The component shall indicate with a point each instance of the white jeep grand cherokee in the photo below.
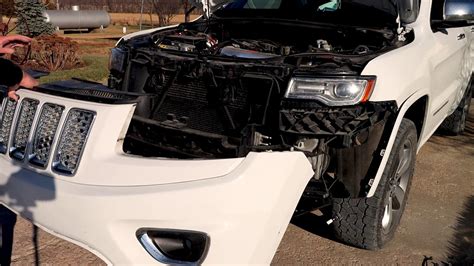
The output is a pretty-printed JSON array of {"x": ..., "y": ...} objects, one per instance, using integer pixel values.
[{"x": 213, "y": 133}]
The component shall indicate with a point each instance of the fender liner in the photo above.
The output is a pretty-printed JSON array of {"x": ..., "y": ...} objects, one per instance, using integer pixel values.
[{"x": 401, "y": 114}]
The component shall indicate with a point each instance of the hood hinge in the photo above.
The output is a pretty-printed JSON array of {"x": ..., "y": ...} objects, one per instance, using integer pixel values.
[
  {"x": 402, "y": 30},
  {"x": 207, "y": 9}
]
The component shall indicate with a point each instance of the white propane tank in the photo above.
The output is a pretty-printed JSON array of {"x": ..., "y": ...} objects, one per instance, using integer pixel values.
[{"x": 77, "y": 20}]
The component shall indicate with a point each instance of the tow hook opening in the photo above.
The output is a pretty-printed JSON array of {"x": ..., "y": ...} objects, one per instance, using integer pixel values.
[{"x": 174, "y": 247}]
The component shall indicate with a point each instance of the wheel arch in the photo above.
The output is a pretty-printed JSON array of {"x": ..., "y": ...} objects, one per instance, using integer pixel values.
[{"x": 417, "y": 113}]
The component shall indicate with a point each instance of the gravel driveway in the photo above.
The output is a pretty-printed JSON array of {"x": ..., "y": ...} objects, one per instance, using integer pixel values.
[{"x": 442, "y": 194}]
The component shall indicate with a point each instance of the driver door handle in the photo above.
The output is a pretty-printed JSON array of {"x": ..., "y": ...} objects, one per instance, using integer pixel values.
[{"x": 461, "y": 36}]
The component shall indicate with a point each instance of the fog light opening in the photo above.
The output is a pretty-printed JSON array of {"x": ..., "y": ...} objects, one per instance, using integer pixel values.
[{"x": 174, "y": 246}]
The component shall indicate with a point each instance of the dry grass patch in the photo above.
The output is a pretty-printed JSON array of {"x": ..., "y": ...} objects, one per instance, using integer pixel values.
[{"x": 131, "y": 19}]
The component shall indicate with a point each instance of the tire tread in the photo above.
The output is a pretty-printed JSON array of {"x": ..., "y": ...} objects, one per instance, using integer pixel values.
[
  {"x": 452, "y": 124},
  {"x": 358, "y": 220}
]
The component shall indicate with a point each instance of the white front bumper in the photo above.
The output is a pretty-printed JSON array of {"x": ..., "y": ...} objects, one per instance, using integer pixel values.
[{"x": 243, "y": 205}]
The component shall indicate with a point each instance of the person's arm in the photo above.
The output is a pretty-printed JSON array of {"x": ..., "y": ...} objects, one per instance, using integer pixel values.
[
  {"x": 13, "y": 77},
  {"x": 10, "y": 73}
]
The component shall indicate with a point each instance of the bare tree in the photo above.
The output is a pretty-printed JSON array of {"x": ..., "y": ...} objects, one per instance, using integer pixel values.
[
  {"x": 50, "y": 4},
  {"x": 186, "y": 5},
  {"x": 166, "y": 10},
  {"x": 7, "y": 8}
]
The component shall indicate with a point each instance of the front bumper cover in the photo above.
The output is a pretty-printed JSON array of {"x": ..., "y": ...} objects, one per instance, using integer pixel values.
[{"x": 243, "y": 205}]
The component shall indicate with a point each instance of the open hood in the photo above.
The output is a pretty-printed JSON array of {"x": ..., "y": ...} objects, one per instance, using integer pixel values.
[
  {"x": 208, "y": 6},
  {"x": 406, "y": 10}
]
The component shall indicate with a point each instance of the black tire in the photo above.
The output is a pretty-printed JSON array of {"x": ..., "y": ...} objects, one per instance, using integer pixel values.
[
  {"x": 364, "y": 222},
  {"x": 455, "y": 124}
]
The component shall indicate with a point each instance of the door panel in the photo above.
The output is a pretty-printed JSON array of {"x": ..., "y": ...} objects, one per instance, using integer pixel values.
[{"x": 449, "y": 63}]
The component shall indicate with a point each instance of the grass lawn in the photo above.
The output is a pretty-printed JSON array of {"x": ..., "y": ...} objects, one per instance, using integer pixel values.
[
  {"x": 96, "y": 69},
  {"x": 95, "y": 49}
]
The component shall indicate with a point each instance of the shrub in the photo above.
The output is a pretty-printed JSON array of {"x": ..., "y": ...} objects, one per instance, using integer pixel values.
[{"x": 53, "y": 53}]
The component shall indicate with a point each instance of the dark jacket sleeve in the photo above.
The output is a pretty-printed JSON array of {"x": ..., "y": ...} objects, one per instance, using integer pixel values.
[{"x": 10, "y": 73}]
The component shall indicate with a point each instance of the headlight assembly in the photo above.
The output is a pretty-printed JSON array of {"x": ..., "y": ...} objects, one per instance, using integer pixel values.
[
  {"x": 117, "y": 59},
  {"x": 332, "y": 91}
]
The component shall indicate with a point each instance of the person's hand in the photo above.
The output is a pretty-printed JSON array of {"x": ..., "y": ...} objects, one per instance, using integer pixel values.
[
  {"x": 9, "y": 43},
  {"x": 12, "y": 92},
  {"x": 27, "y": 82}
]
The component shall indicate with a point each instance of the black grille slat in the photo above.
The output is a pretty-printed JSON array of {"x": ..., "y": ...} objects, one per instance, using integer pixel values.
[
  {"x": 89, "y": 91},
  {"x": 23, "y": 127},
  {"x": 46, "y": 129}
]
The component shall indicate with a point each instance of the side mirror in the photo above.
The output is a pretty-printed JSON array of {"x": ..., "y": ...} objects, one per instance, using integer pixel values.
[
  {"x": 456, "y": 13},
  {"x": 459, "y": 11},
  {"x": 409, "y": 10}
]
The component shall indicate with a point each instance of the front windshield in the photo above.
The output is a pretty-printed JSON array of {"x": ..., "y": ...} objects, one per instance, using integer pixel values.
[{"x": 349, "y": 12}]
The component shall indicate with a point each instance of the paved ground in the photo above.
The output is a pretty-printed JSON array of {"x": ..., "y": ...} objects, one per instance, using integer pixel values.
[{"x": 442, "y": 192}]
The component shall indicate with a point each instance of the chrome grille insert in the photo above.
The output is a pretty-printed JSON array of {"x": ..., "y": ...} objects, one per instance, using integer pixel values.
[
  {"x": 21, "y": 135},
  {"x": 72, "y": 141},
  {"x": 6, "y": 121},
  {"x": 46, "y": 129}
]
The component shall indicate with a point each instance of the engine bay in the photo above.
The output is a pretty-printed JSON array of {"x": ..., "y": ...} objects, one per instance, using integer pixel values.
[
  {"x": 217, "y": 89},
  {"x": 225, "y": 80},
  {"x": 266, "y": 40}
]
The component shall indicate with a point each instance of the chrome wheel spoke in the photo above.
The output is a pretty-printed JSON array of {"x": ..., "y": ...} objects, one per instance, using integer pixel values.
[
  {"x": 398, "y": 197},
  {"x": 404, "y": 165},
  {"x": 387, "y": 215},
  {"x": 398, "y": 186}
]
